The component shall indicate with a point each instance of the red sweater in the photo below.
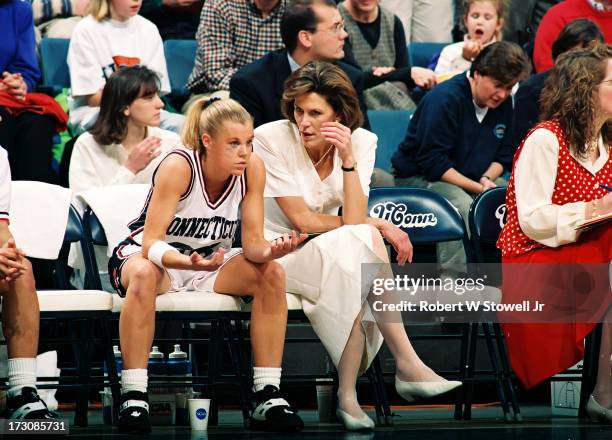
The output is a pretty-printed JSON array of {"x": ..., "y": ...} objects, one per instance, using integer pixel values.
[{"x": 555, "y": 20}]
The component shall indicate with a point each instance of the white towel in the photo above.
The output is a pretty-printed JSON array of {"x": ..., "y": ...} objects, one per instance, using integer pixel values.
[
  {"x": 112, "y": 205},
  {"x": 39, "y": 215}
]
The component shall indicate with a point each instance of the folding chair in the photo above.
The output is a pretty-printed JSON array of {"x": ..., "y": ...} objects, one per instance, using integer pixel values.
[
  {"x": 44, "y": 225},
  {"x": 55, "y": 73},
  {"x": 390, "y": 126},
  {"x": 486, "y": 219},
  {"x": 184, "y": 306},
  {"x": 394, "y": 204},
  {"x": 421, "y": 54}
]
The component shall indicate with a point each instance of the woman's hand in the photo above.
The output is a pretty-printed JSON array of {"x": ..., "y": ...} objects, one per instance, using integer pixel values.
[
  {"x": 285, "y": 244},
  {"x": 13, "y": 84},
  {"x": 399, "y": 240},
  {"x": 340, "y": 136},
  {"x": 143, "y": 154},
  {"x": 11, "y": 263},
  {"x": 487, "y": 183},
  {"x": 424, "y": 78},
  {"x": 606, "y": 204},
  {"x": 198, "y": 262},
  {"x": 380, "y": 71}
]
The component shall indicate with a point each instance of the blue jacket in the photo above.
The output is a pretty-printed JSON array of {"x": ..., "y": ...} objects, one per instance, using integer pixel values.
[
  {"x": 444, "y": 133},
  {"x": 17, "y": 43}
]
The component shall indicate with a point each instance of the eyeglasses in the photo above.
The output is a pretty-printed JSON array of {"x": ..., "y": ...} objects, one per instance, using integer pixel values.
[
  {"x": 608, "y": 81},
  {"x": 336, "y": 29}
]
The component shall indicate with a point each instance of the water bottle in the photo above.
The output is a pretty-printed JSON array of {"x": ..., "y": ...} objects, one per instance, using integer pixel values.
[
  {"x": 118, "y": 360},
  {"x": 106, "y": 394},
  {"x": 179, "y": 365},
  {"x": 156, "y": 366}
]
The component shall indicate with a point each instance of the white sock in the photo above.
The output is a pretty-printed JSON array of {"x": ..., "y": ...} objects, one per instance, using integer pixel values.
[
  {"x": 21, "y": 373},
  {"x": 263, "y": 376},
  {"x": 135, "y": 379}
]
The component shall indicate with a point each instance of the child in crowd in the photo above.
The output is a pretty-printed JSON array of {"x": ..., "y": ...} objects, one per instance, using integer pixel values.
[
  {"x": 112, "y": 36},
  {"x": 124, "y": 146},
  {"x": 484, "y": 20}
]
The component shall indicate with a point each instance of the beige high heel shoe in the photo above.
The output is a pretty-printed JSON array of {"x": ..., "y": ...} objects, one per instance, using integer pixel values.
[{"x": 598, "y": 413}]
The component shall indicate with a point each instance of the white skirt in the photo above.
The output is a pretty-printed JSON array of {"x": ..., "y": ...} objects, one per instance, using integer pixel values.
[{"x": 326, "y": 273}]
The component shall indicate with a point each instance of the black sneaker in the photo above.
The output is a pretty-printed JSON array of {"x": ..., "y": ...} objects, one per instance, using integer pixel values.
[
  {"x": 273, "y": 413},
  {"x": 28, "y": 405},
  {"x": 134, "y": 413}
]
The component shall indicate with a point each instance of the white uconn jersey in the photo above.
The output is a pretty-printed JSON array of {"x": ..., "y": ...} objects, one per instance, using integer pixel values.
[{"x": 199, "y": 224}]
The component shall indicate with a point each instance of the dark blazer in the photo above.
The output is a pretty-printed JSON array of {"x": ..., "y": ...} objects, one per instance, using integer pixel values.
[{"x": 258, "y": 86}]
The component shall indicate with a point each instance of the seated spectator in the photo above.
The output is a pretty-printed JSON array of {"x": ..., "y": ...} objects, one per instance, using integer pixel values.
[
  {"x": 459, "y": 139},
  {"x": 124, "y": 146},
  {"x": 20, "y": 314},
  {"x": 318, "y": 160},
  {"x": 312, "y": 30},
  {"x": 523, "y": 19},
  {"x": 600, "y": 11},
  {"x": 175, "y": 19},
  {"x": 579, "y": 33},
  {"x": 231, "y": 34},
  {"x": 484, "y": 20},
  {"x": 25, "y": 134},
  {"x": 377, "y": 43},
  {"x": 112, "y": 36},
  {"x": 424, "y": 20},
  {"x": 555, "y": 186},
  {"x": 55, "y": 19}
]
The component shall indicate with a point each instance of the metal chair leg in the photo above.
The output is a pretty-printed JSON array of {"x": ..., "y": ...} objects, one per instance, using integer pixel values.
[
  {"x": 590, "y": 367},
  {"x": 460, "y": 395},
  {"x": 507, "y": 372},
  {"x": 499, "y": 379},
  {"x": 234, "y": 358},
  {"x": 84, "y": 371},
  {"x": 471, "y": 366}
]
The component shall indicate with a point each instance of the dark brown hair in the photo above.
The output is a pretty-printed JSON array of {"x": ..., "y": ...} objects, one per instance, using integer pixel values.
[
  {"x": 122, "y": 88},
  {"x": 329, "y": 81},
  {"x": 503, "y": 61},
  {"x": 581, "y": 32},
  {"x": 569, "y": 96},
  {"x": 299, "y": 16}
]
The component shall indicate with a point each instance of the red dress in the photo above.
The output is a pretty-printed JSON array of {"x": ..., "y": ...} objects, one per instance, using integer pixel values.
[{"x": 538, "y": 351}]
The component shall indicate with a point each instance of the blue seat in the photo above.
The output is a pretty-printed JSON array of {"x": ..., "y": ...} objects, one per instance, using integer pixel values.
[
  {"x": 53, "y": 56},
  {"x": 390, "y": 126},
  {"x": 421, "y": 54},
  {"x": 486, "y": 219},
  {"x": 180, "y": 58}
]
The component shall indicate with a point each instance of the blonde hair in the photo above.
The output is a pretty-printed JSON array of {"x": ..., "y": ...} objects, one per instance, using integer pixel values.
[
  {"x": 207, "y": 116},
  {"x": 99, "y": 9}
]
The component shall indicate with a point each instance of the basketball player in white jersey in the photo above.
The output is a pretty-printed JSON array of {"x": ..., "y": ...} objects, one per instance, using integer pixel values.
[
  {"x": 20, "y": 315},
  {"x": 182, "y": 240}
]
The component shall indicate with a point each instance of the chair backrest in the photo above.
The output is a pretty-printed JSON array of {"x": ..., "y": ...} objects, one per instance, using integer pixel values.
[
  {"x": 486, "y": 219},
  {"x": 53, "y": 56},
  {"x": 420, "y": 54},
  {"x": 390, "y": 126},
  {"x": 180, "y": 56},
  {"x": 424, "y": 214}
]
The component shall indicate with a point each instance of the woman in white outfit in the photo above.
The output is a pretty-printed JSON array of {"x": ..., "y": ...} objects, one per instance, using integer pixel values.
[{"x": 316, "y": 161}]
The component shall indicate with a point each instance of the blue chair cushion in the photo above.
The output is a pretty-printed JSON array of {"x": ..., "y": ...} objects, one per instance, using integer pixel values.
[{"x": 390, "y": 126}]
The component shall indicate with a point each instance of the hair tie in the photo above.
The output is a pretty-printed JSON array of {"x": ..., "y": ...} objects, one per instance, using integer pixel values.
[{"x": 210, "y": 101}]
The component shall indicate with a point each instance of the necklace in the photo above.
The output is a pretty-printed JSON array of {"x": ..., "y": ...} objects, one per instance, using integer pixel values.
[{"x": 318, "y": 162}]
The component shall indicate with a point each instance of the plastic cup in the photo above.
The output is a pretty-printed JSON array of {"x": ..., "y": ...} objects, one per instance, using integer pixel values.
[
  {"x": 198, "y": 413},
  {"x": 325, "y": 399}
]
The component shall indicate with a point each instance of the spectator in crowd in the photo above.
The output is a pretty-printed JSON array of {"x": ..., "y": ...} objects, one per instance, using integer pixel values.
[
  {"x": 205, "y": 180},
  {"x": 20, "y": 314},
  {"x": 377, "y": 43},
  {"x": 124, "y": 146},
  {"x": 316, "y": 161},
  {"x": 459, "y": 139},
  {"x": 231, "y": 34},
  {"x": 312, "y": 30},
  {"x": 484, "y": 20},
  {"x": 29, "y": 149},
  {"x": 112, "y": 36},
  {"x": 424, "y": 20},
  {"x": 523, "y": 19},
  {"x": 55, "y": 19},
  {"x": 600, "y": 11},
  {"x": 555, "y": 186},
  {"x": 579, "y": 33},
  {"x": 175, "y": 19}
]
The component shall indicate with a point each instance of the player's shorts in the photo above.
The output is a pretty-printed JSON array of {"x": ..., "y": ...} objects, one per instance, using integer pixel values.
[{"x": 180, "y": 279}]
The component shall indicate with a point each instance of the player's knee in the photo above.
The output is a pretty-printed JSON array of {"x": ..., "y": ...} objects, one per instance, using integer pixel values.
[
  {"x": 272, "y": 276},
  {"x": 143, "y": 280}
]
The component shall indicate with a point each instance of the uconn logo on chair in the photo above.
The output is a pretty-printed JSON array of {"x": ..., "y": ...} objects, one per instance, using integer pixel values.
[{"x": 397, "y": 213}]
